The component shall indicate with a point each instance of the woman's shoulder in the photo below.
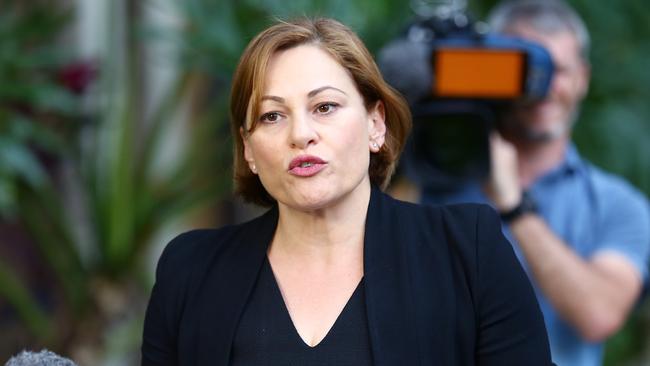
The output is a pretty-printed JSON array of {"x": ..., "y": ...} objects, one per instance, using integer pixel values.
[
  {"x": 470, "y": 232},
  {"x": 195, "y": 243},
  {"x": 465, "y": 217},
  {"x": 192, "y": 249}
]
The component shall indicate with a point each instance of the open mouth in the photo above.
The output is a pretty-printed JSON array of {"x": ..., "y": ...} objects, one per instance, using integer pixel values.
[{"x": 306, "y": 165}]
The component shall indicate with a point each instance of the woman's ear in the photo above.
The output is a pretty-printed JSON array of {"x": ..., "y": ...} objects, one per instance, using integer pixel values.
[
  {"x": 248, "y": 153},
  {"x": 377, "y": 126}
]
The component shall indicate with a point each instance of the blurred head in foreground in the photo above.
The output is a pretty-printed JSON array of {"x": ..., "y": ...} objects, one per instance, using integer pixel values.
[{"x": 43, "y": 358}]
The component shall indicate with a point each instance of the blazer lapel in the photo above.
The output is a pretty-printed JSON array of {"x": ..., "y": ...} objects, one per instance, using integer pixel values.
[
  {"x": 389, "y": 299},
  {"x": 229, "y": 285}
]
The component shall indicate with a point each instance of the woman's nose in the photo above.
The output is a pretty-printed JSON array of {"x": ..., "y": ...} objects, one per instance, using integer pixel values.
[{"x": 303, "y": 132}]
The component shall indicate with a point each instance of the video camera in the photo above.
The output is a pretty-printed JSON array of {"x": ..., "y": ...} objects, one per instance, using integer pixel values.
[{"x": 458, "y": 79}]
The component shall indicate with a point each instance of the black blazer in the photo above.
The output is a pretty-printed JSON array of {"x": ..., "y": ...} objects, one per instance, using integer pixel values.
[{"x": 443, "y": 287}]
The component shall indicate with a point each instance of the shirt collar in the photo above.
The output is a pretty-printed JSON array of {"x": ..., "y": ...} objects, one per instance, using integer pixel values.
[
  {"x": 571, "y": 163},
  {"x": 572, "y": 160}
]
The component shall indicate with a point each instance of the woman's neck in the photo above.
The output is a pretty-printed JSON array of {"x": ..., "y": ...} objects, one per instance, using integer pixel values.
[{"x": 326, "y": 234}]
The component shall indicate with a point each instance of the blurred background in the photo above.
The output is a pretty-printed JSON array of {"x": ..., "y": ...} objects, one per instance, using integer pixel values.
[{"x": 114, "y": 137}]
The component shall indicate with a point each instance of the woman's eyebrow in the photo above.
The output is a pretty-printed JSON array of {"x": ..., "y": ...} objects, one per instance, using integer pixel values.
[
  {"x": 273, "y": 98},
  {"x": 313, "y": 93}
]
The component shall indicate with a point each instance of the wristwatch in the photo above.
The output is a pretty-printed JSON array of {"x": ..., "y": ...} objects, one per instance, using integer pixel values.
[{"x": 526, "y": 205}]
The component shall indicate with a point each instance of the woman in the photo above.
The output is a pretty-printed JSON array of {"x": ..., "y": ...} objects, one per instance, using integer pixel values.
[{"x": 336, "y": 272}]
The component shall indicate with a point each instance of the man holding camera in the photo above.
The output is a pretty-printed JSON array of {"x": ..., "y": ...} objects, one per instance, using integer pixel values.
[{"x": 581, "y": 233}]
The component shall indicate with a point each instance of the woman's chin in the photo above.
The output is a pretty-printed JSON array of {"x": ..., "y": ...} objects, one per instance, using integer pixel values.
[
  {"x": 312, "y": 201},
  {"x": 313, "y": 198},
  {"x": 321, "y": 195}
]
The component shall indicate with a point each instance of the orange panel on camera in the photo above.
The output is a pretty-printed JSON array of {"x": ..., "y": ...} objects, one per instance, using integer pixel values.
[{"x": 478, "y": 73}]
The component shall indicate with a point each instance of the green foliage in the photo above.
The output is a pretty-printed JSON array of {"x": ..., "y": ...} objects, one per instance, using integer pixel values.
[
  {"x": 36, "y": 114},
  {"x": 629, "y": 342},
  {"x": 19, "y": 297},
  {"x": 17, "y": 163},
  {"x": 614, "y": 128},
  {"x": 217, "y": 31},
  {"x": 90, "y": 196},
  {"x": 28, "y": 88}
]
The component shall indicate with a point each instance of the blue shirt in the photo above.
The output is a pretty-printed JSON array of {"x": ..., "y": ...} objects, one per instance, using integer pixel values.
[{"x": 592, "y": 211}]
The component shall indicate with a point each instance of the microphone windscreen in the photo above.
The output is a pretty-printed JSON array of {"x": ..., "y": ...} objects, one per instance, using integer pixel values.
[
  {"x": 406, "y": 66},
  {"x": 43, "y": 358}
]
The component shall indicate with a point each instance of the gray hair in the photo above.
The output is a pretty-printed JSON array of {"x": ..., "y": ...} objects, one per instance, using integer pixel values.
[
  {"x": 549, "y": 16},
  {"x": 43, "y": 358}
]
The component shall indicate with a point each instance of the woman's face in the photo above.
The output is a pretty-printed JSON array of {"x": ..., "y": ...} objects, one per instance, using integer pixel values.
[{"x": 311, "y": 146}]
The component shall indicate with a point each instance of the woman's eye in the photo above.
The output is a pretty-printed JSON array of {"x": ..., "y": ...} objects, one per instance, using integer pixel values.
[
  {"x": 270, "y": 117},
  {"x": 326, "y": 108}
]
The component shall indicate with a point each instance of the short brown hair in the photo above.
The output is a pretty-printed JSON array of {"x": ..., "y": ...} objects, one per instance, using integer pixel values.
[{"x": 348, "y": 50}]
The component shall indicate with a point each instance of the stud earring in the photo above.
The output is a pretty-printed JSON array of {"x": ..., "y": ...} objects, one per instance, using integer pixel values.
[
  {"x": 375, "y": 145},
  {"x": 253, "y": 168}
]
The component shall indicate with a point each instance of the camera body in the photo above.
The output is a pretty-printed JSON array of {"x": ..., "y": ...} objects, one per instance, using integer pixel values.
[{"x": 459, "y": 79}]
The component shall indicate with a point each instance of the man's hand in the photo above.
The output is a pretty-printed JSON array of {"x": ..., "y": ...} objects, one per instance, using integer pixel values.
[{"x": 503, "y": 187}]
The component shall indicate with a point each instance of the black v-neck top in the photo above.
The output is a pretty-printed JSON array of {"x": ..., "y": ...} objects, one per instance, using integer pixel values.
[
  {"x": 442, "y": 287},
  {"x": 266, "y": 334}
]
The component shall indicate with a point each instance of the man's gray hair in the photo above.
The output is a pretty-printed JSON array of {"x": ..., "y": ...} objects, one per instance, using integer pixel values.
[
  {"x": 548, "y": 16},
  {"x": 43, "y": 358}
]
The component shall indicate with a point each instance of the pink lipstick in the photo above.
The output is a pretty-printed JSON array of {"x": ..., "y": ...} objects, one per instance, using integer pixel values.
[{"x": 306, "y": 165}]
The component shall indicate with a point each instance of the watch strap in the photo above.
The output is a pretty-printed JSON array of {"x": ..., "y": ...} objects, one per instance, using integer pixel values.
[{"x": 526, "y": 205}]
